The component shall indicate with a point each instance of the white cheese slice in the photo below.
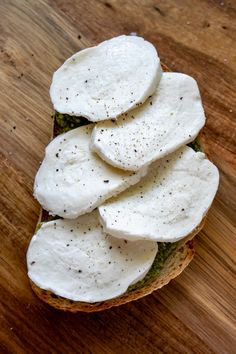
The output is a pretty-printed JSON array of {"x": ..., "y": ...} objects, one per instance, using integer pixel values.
[
  {"x": 75, "y": 259},
  {"x": 167, "y": 204},
  {"x": 72, "y": 180},
  {"x": 104, "y": 81},
  {"x": 172, "y": 117}
]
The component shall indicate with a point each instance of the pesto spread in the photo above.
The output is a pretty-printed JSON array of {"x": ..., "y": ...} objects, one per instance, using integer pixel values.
[
  {"x": 164, "y": 251},
  {"x": 195, "y": 145},
  {"x": 64, "y": 122},
  {"x": 39, "y": 224}
]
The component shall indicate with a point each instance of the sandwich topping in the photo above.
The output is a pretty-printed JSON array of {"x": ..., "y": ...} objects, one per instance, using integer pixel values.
[
  {"x": 104, "y": 81},
  {"x": 172, "y": 117},
  {"x": 75, "y": 259},
  {"x": 167, "y": 204},
  {"x": 133, "y": 164},
  {"x": 72, "y": 180}
]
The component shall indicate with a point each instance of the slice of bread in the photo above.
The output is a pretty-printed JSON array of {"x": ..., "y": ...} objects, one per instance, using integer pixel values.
[{"x": 176, "y": 262}]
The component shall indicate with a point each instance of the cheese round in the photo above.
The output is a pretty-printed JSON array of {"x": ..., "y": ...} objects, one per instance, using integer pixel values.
[
  {"x": 104, "y": 81},
  {"x": 167, "y": 204},
  {"x": 72, "y": 180},
  {"x": 172, "y": 117},
  {"x": 75, "y": 259}
]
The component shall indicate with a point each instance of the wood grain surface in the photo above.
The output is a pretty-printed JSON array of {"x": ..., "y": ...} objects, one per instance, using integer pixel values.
[{"x": 196, "y": 312}]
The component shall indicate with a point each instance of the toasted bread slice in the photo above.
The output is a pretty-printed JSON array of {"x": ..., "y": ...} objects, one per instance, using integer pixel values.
[{"x": 173, "y": 265}]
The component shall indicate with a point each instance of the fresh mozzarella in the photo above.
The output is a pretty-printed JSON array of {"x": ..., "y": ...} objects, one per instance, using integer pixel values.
[
  {"x": 167, "y": 204},
  {"x": 104, "y": 81},
  {"x": 172, "y": 117},
  {"x": 75, "y": 259},
  {"x": 72, "y": 180}
]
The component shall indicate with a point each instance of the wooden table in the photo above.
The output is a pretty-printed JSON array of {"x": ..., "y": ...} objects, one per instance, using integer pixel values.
[{"x": 196, "y": 312}]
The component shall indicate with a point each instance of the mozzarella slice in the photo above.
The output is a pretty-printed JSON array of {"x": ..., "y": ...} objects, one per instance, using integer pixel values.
[
  {"x": 104, "y": 81},
  {"x": 72, "y": 180},
  {"x": 75, "y": 259},
  {"x": 172, "y": 117},
  {"x": 167, "y": 204}
]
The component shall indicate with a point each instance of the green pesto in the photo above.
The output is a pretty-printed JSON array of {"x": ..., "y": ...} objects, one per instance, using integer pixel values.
[
  {"x": 65, "y": 122},
  {"x": 39, "y": 224},
  {"x": 195, "y": 145},
  {"x": 164, "y": 251}
]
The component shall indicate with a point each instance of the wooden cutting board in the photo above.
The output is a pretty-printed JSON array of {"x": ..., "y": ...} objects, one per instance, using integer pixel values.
[{"x": 196, "y": 312}]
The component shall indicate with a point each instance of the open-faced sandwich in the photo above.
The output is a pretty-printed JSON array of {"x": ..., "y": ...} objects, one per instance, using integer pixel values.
[{"x": 125, "y": 184}]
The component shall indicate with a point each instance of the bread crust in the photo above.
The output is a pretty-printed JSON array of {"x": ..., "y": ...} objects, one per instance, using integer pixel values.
[{"x": 174, "y": 265}]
